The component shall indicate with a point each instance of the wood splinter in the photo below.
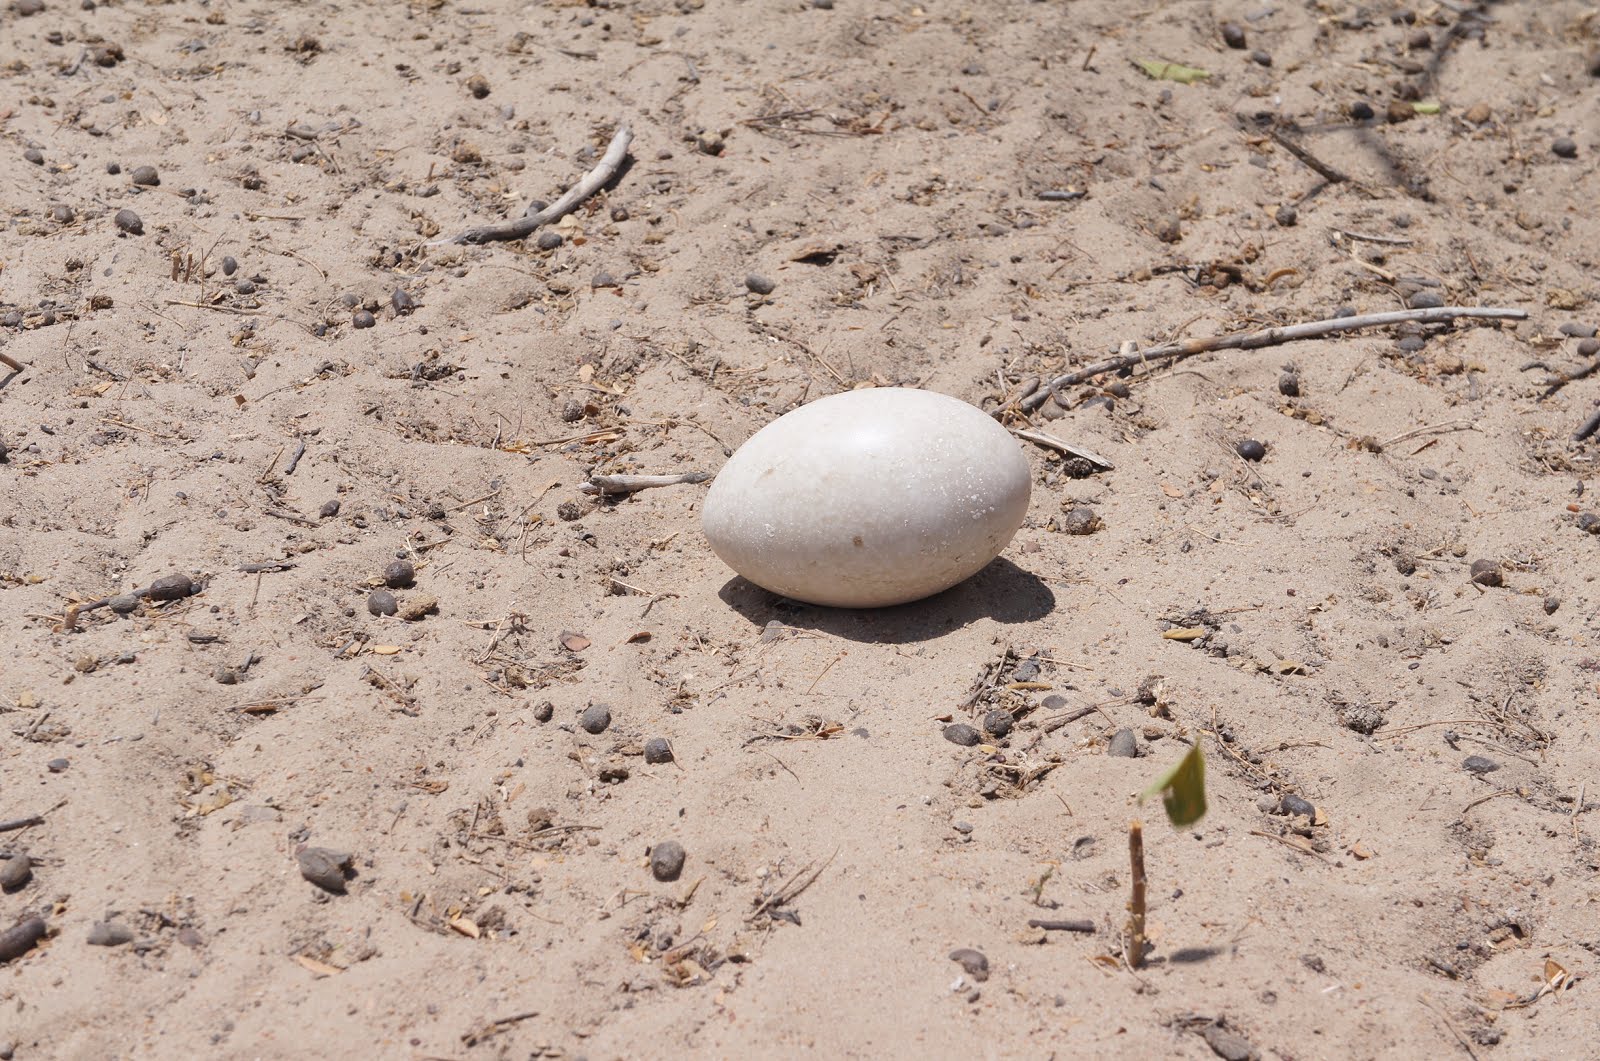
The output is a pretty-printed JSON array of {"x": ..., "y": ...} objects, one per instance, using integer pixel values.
[
  {"x": 12, "y": 363},
  {"x": 611, "y": 485}
]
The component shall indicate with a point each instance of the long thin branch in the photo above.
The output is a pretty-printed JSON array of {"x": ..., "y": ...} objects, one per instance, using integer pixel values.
[
  {"x": 523, "y": 226},
  {"x": 1268, "y": 337}
]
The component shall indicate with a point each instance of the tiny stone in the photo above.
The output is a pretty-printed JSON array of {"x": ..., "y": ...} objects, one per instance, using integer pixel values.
[
  {"x": 962, "y": 734},
  {"x": 1293, "y": 805},
  {"x": 974, "y": 962},
  {"x": 244, "y": 286},
  {"x": 28, "y": 7},
  {"x": 666, "y": 860},
  {"x": 544, "y": 711},
  {"x": 822, "y": 5},
  {"x": 109, "y": 934},
  {"x": 1229, "y": 1045},
  {"x": 15, "y": 872},
  {"x": 1361, "y": 111},
  {"x": 1487, "y": 573},
  {"x": 1589, "y": 347},
  {"x": 1479, "y": 764},
  {"x": 657, "y": 750},
  {"x": 1551, "y": 604},
  {"x": 1589, "y": 523},
  {"x": 1289, "y": 385},
  {"x": 113, "y": 168},
  {"x": 329, "y": 509},
  {"x": 399, "y": 574},
  {"x": 1344, "y": 311},
  {"x": 129, "y": 222},
  {"x": 1565, "y": 147},
  {"x": 124, "y": 603},
  {"x": 1427, "y": 298},
  {"x": 478, "y": 85},
  {"x": 759, "y": 284},
  {"x": 363, "y": 319},
  {"x": 402, "y": 301},
  {"x": 1250, "y": 449},
  {"x": 569, "y": 511},
  {"x": 57, "y": 766},
  {"x": 1411, "y": 344},
  {"x": 382, "y": 602},
  {"x": 998, "y": 723},
  {"x": 964, "y": 828},
  {"x": 1124, "y": 745},
  {"x": 226, "y": 675},
  {"x": 145, "y": 175},
  {"x": 1286, "y": 216},
  {"x": 229, "y": 266},
  {"x": 1261, "y": 58},
  {"x": 173, "y": 587},
  {"x": 324, "y": 867},
  {"x": 415, "y": 608},
  {"x": 1080, "y": 519},
  {"x": 1420, "y": 40},
  {"x": 1478, "y": 113},
  {"x": 34, "y": 155},
  {"x": 619, "y": 213},
  {"x": 549, "y": 240},
  {"x": 63, "y": 214},
  {"x": 595, "y": 719},
  {"x": 1233, "y": 35},
  {"x": 1574, "y": 330}
]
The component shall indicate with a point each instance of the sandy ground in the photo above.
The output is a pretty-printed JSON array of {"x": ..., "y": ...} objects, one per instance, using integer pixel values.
[{"x": 882, "y": 165}]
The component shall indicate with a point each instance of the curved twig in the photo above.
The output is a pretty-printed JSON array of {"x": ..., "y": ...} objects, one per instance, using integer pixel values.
[{"x": 1268, "y": 337}]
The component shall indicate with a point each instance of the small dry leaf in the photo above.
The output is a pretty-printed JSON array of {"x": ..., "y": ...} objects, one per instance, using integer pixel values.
[
  {"x": 320, "y": 969},
  {"x": 641, "y": 636},
  {"x": 464, "y": 926},
  {"x": 385, "y": 650},
  {"x": 574, "y": 642},
  {"x": 1170, "y": 490},
  {"x": 1555, "y": 976},
  {"x": 1361, "y": 851}
]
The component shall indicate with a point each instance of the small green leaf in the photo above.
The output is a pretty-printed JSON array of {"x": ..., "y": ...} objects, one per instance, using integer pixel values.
[
  {"x": 1164, "y": 71},
  {"x": 1426, "y": 107},
  {"x": 1183, "y": 789}
]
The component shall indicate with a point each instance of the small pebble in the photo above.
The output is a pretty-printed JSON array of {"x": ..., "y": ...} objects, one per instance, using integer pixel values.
[
  {"x": 1286, "y": 216},
  {"x": 595, "y": 718},
  {"x": 604, "y": 279},
  {"x": 15, "y": 872},
  {"x": 1411, "y": 344},
  {"x": 1427, "y": 298},
  {"x": 1250, "y": 449},
  {"x": 1565, "y": 147},
  {"x": 173, "y": 587},
  {"x": 1589, "y": 347},
  {"x": 329, "y": 509},
  {"x": 124, "y": 603},
  {"x": 1289, "y": 385},
  {"x": 962, "y": 734},
  {"x": 759, "y": 284},
  {"x": 109, "y": 934},
  {"x": 381, "y": 602},
  {"x": 145, "y": 175},
  {"x": 478, "y": 85},
  {"x": 1574, "y": 330},
  {"x": 1551, "y": 604},
  {"x": 998, "y": 723},
  {"x": 1261, "y": 58},
  {"x": 1229, "y": 1045},
  {"x": 28, "y": 7},
  {"x": 1080, "y": 519},
  {"x": 1589, "y": 523},
  {"x": 619, "y": 213},
  {"x": 822, "y": 5},
  {"x": 1293, "y": 805},
  {"x": 129, "y": 222},
  {"x": 666, "y": 860},
  {"x": 1487, "y": 573},
  {"x": 1478, "y": 113},
  {"x": 63, "y": 214},
  {"x": 229, "y": 266},
  {"x": 1124, "y": 745},
  {"x": 1233, "y": 35},
  {"x": 1361, "y": 111},
  {"x": 363, "y": 319},
  {"x": 113, "y": 168},
  {"x": 402, "y": 302},
  {"x": 1479, "y": 764},
  {"x": 226, "y": 675},
  {"x": 34, "y": 155},
  {"x": 244, "y": 286},
  {"x": 57, "y": 766},
  {"x": 324, "y": 867},
  {"x": 974, "y": 962},
  {"x": 544, "y": 711},
  {"x": 657, "y": 750},
  {"x": 399, "y": 574}
]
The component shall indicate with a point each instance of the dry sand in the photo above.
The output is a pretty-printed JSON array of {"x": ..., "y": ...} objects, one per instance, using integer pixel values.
[{"x": 882, "y": 164}]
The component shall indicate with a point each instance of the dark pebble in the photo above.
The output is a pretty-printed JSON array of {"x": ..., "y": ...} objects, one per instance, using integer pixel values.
[
  {"x": 998, "y": 723},
  {"x": 595, "y": 718},
  {"x": 478, "y": 85},
  {"x": 604, "y": 279},
  {"x": 129, "y": 222},
  {"x": 1080, "y": 519},
  {"x": 1565, "y": 147},
  {"x": 549, "y": 240},
  {"x": 1427, "y": 298},
  {"x": 20, "y": 938},
  {"x": 58, "y": 766},
  {"x": 226, "y": 675},
  {"x": 544, "y": 711},
  {"x": 569, "y": 511},
  {"x": 1589, "y": 347},
  {"x": 1286, "y": 216},
  {"x": 382, "y": 602},
  {"x": 974, "y": 962},
  {"x": 34, "y": 155},
  {"x": 1551, "y": 604},
  {"x": 1261, "y": 58},
  {"x": 1589, "y": 523},
  {"x": 109, "y": 934},
  {"x": 962, "y": 734},
  {"x": 324, "y": 867},
  {"x": 1361, "y": 111},
  {"x": 1250, "y": 449},
  {"x": 1229, "y": 1045},
  {"x": 244, "y": 286},
  {"x": 1578, "y": 331},
  {"x": 1233, "y": 35},
  {"x": 1292, "y": 805},
  {"x": 1420, "y": 40},
  {"x": 15, "y": 872},
  {"x": 666, "y": 860},
  {"x": 1289, "y": 385},
  {"x": 402, "y": 301},
  {"x": 759, "y": 284},
  {"x": 657, "y": 750},
  {"x": 363, "y": 319},
  {"x": 399, "y": 574},
  {"x": 124, "y": 603},
  {"x": 1344, "y": 311},
  {"x": 145, "y": 175},
  {"x": 350, "y": 299},
  {"x": 329, "y": 509},
  {"x": 173, "y": 587},
  {"x": 229, "y": 266},
  {"x": 619, "y": 213},
  {"x": 63, "y": 214},
  {"x": 1479, "y": 764},
  {"x": 822, "y": 5},
  {"x": 1487, "y": 573},
  {"x": 1411, "y": 344},
  {"x": 1124, "y": 745},
  {"x": 28, "y": 7}
]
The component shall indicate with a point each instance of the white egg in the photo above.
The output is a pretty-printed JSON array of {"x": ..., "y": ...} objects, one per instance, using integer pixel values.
[{"x": 869, "y": 498}]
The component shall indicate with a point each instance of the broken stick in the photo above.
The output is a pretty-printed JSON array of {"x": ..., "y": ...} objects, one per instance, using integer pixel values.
[
  {"x": 1267, "y": 337},
  {"x": 12, "y": 363},
  {"x": 1051, "y": 442},
  {"x": 523, "y": 226},
  {"x": 627, "y": 484}
]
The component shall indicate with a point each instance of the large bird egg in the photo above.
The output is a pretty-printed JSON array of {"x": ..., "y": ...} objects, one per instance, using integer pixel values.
[{"x": 869, "y": 498}]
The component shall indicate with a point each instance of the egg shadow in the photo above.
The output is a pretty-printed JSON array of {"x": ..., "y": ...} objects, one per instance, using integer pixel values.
[{"x": 1002, "y": 591}]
